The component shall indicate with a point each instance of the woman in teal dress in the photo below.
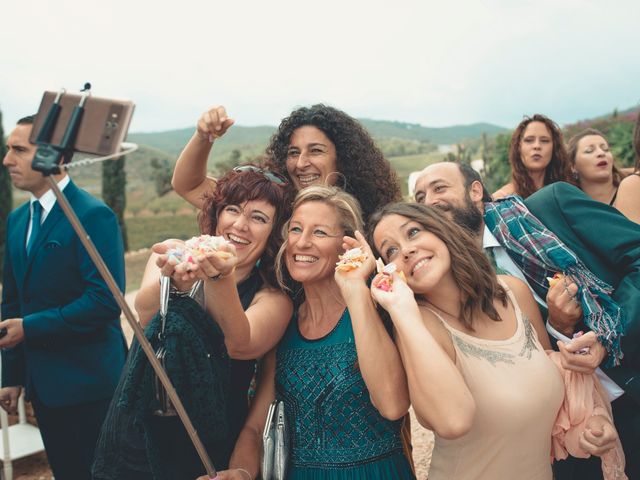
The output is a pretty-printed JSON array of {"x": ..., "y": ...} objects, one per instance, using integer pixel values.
[{"x": 336, "y": 369}]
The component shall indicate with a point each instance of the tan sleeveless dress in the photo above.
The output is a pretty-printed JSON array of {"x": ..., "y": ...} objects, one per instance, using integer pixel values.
[{"x": 518, "y": 392}]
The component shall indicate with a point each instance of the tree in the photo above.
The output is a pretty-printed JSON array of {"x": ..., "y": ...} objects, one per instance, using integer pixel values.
[
  {"x": 6, "y": 199},
  {"x": 114, "y": 180},
  {"x": 161, "y": 176},
  {"x": 497, "y": 168},
  {"x": 233, "y": 160}
]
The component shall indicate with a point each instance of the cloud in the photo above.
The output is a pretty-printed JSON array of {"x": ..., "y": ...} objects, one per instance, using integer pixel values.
[{"x": 428, "y": 62}]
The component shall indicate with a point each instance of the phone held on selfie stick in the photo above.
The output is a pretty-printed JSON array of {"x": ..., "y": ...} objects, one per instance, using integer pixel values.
[{"x": 102, "y": 129}]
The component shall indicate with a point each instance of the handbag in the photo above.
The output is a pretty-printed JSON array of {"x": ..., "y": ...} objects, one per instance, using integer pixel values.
[
  {"x": 275, "y": 443},
  {"x": 165, "y": 407}
]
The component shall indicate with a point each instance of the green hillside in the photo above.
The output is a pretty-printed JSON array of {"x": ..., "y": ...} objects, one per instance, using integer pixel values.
[
  {"x": 252, "y": 141},
  {"x": 438, "y": 136},
  {"x": 238, "y": 137}
]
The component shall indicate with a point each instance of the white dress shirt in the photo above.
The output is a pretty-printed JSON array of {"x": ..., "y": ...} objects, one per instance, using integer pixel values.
[{"x": 47, "y": 201}]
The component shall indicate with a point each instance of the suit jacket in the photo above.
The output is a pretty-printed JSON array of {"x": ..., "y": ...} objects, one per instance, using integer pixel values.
[
  {"x": 74, "y": 348},
  {"x": 609, "y": 245}
]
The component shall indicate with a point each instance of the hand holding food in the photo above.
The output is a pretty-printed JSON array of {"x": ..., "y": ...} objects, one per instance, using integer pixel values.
[
  {"x": 351, "y": 259},
  {"x": 185, "y": 257},
  {"x": 555, "y": 279},
  {"x": 385, "y": 280}
]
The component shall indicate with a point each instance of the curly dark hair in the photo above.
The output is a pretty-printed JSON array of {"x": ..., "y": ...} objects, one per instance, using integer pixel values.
[
  {"x": 237, "y": 187},
  {"x": 558, "y": 169},
  {"x": 572, "y": 152},
  {"x": 367, "y": 175},
  {"x": 470, "y": 267}
]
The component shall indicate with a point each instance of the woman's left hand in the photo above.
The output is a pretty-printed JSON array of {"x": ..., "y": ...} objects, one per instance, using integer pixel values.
[
  {"x": 582, "y": 354},
  {"x": 361, "y": 273},
  {"x": 222, "y": 262},
  {"x": 599, "y": 436}
]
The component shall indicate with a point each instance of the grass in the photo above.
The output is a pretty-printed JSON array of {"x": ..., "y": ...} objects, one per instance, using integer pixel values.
[
  {"x": 135, "y": 262},
  {"x": 410, "y": 163},
  {"x": 145, "y": 231}
]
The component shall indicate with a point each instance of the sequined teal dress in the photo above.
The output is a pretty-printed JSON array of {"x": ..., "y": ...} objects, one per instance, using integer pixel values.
[{"x": 336, "y": 433}]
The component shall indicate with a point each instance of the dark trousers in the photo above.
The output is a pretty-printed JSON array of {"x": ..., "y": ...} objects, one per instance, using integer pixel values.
[
  {"x": 626, "y": 417},
  {"x": 69, "y": 434}
]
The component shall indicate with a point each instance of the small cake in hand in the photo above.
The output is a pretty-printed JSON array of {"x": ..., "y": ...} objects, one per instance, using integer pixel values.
[
  {"x": 195, "y": 247},
  {"x": 385, "y": 283},
  {"x": 555, "y": 279},
  {"x": 351, "y": 259}
]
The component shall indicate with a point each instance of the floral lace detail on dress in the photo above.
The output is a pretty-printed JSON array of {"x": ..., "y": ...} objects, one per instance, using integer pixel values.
[
  {"x": 530, "y": 338},
  {"x": 492, "y": 357}
]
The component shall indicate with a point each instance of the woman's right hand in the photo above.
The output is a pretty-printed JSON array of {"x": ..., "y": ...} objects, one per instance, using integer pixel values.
[
  {"x": 400, "y": 297},
  {"x": 181, "y": 279},
  {"x": 214, "y": 123}
]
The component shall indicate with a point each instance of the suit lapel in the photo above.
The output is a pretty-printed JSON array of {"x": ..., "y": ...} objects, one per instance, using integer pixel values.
[
  {"x": 53, "y": 218},
  {"x": 18, "y": 243}
]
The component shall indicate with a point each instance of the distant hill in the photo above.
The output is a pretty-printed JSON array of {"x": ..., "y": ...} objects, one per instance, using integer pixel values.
[
  {"x": 255, "y": 139},
  {"x": 173, "y": 141},
  {"x": 434, "y": 135}
]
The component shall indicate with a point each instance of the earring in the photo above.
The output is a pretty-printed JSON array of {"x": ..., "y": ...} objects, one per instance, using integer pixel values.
[{"x": 575, "y": 175}]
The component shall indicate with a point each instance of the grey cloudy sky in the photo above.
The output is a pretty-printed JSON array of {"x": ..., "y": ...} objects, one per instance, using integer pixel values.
[{"x": 433, "y": 63}]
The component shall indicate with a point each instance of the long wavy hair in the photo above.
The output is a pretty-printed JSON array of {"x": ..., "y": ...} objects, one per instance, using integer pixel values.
[
  {"x": 471, "y": 269},
  {"x": 572, "y": 152},
  {"x": 558, "y": 169},
  {"x": 349, "y": 216},
  {"x": 236, "y": 188},
  {"x": 366, "y": 174}
]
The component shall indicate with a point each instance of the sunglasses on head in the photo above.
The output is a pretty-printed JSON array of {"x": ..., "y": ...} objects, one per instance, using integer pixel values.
[{"x": 275, "y": 177}]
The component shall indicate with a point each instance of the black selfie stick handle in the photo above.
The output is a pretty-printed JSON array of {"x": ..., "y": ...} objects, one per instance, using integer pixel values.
[
  {"x": 44, "y": 136},
  {"x": 47, "y": 158},
  {"x": 69, "y": 138}
]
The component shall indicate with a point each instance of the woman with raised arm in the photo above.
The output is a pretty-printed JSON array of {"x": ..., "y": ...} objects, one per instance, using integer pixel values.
[
  {"x": 239, "y": 292},
  {"x": 537, "y": 156},
  {"x": 473, "y": 346},
  {"x": 336, "y": 369},
  {"x": 597, "y": 175},
  {"x": 317, "y": 145}
]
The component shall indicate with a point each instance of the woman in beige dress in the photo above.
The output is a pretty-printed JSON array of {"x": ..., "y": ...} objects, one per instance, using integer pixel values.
[{"x": 473, "y": 346}]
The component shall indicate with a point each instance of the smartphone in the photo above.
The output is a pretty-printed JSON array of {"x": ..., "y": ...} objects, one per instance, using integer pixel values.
[
  {"x": 3, "y": 332},
  {"x": 104, "y": 124}
]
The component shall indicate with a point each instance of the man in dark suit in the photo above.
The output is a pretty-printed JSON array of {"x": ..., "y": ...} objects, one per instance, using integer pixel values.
[
  {"x": 63, "y": 340},
  {"x": 609, "y": 244},
  {"x": 606, "y": 242}
]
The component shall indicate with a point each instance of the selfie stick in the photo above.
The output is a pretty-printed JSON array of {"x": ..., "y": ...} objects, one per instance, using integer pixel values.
[{"x": 46, "y": 161}]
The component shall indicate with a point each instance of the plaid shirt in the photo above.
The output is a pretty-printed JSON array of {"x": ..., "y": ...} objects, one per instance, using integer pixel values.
[{"x": 540, "y": 254}]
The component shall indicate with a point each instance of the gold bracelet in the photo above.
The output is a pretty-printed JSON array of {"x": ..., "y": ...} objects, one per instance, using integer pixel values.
[{"x": 244, "y": 471}]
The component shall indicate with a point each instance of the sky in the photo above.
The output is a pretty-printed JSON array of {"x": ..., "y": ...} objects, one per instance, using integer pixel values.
[{"x": 433, "y": 63}]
